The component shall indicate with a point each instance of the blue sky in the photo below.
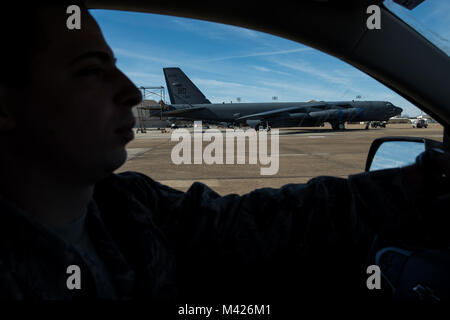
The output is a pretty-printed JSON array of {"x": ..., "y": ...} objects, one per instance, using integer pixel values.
[{"x": 228, "y": 62}]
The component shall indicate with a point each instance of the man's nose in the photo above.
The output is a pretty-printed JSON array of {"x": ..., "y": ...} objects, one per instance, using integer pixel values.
[{"x": 129, "y": 95}]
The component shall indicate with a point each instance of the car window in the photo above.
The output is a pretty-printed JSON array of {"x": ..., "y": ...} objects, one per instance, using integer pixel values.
[{"x": 233, "y": 66}]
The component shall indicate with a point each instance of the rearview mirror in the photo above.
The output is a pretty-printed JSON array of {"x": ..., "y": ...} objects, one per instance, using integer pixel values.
[{"x": 395, "y": 152}]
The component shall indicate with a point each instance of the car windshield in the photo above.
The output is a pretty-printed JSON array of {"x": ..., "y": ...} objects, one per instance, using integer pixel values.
[
  {"x": 430, "y": 18},
  {"x": 190, "y": 70}
]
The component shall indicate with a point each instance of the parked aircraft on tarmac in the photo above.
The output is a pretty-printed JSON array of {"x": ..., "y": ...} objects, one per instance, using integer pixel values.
[{"x": 188, "y": 102}]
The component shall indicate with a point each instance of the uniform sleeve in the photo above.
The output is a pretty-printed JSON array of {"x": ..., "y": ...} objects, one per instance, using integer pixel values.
[
  {"x": 311, "y": 236},
  {"x": 258, "y": 244},
  {"x": 257, "y": 224},
  {"x": 307, "y": 235},
  {"x": 402, "y": 204}
]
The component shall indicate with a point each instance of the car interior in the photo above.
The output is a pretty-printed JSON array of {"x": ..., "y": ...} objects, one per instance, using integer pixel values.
[{"x": 396, "y": 55}]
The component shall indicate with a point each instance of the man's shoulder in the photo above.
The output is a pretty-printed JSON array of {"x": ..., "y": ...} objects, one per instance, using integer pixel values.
[{"x": 133, "y": 192}]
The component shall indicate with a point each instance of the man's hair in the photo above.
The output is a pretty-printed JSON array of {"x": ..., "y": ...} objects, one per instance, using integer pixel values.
[{"x": 22, "y": 35}]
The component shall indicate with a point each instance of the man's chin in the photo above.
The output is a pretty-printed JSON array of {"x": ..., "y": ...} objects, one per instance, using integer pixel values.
[
  {"x": 118, "y": 159},
  {"x": 111, "y": 164}
]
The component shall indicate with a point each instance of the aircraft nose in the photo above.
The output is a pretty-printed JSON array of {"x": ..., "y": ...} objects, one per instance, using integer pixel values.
[{"x": 398, "y": 110}]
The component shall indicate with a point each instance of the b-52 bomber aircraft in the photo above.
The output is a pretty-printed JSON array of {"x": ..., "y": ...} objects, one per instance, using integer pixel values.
[{"x": 188, "y": 102}]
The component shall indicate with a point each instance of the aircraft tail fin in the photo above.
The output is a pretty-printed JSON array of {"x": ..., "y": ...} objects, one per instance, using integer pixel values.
[{"x": 181, "y": 89}]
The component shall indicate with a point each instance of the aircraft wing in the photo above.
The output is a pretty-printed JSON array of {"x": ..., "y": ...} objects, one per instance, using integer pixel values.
[
  {"x": 181, "y": 112},
  {"x": 297, "y": 109},
  {"x": 278, "y": 112}
]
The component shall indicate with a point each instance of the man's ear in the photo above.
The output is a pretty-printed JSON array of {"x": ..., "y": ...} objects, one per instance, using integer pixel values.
[{"x": 7, "y": 119}]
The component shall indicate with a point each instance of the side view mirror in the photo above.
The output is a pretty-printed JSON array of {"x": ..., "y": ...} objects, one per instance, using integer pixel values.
[{"x": 395, "y": 152}]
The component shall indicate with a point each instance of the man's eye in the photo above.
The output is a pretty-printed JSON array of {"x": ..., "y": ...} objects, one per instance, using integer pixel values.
[{"x": 91, "y": 71}]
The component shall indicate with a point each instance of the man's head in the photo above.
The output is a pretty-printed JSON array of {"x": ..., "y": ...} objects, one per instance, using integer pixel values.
[{"x": 64, "y": 105}]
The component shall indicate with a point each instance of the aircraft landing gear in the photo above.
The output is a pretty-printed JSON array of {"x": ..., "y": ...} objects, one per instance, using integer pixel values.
[
  {"x": 338, "y": 126},
  {"x": 263, "y": 127}
]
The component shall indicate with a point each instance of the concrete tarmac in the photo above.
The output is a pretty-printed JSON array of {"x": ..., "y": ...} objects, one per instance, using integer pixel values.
[{"x": 304, "y": 153}]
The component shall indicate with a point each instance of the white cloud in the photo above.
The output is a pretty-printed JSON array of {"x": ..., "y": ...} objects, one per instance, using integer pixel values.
[
  {"x": 259, "y": 54},
  {"x": 263, "y": 69},
  {"x": 306, "y": 67}
]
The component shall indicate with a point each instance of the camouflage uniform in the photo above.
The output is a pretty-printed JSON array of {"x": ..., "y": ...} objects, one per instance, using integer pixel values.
[{"x": 163, "y": 245}]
